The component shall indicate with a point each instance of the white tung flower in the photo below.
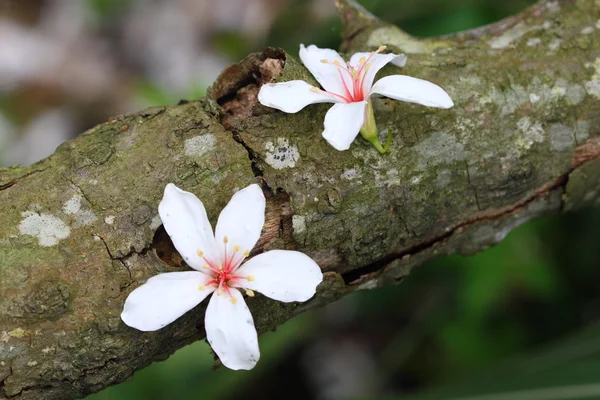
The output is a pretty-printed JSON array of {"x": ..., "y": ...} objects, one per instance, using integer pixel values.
[
  {"x": 218, "y": 260},
  {"x": 350, "y": 86}
]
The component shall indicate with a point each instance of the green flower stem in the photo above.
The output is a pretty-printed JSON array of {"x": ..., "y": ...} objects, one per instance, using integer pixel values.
[{"x": 370, "y": 133}]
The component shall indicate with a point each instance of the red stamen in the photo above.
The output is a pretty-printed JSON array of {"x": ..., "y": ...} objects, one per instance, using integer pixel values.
[
  {"x": 210, "y": 265},
  {"x": 371, "y": 54},
  {"x": 362, "y": 71},
  {"x": 222, "y": 276},
  {"x": 357, "y": 89},
  {"x": 344, "y": 98},
  {"x": 233, "y": 264},
  {"x": 341, "y": 68},
  {"x": 345, "y": 86}
]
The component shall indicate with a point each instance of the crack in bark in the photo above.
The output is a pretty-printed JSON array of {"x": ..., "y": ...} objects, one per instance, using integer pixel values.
[
  {"x": 587, "y": 152},
  {"x": 472, "y": 186},
  {"x": 121, "y": 260},
  {"x": 107, "y": 248},
  {"x": 80, "y": 190},
  {"x": 3, "y": 394},
  {"x": 355, "y": 276},
  {"x": 253, "y": 157},
  {"x": 16, "y": 180}
]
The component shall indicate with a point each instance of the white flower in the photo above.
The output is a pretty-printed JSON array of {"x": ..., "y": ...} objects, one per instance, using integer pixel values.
[
  {"x": 279, "y": 274},
  {"x": 350, "y": 85}
]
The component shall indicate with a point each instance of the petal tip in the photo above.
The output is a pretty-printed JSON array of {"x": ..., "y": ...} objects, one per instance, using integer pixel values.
[
  {"x": 130, "y": 321},
  {"x": 446, "y": 102},
  {"x": 254, "y": 187},
  {"x": 399, "y": 60},
  {"x": 170, "y": 187}
]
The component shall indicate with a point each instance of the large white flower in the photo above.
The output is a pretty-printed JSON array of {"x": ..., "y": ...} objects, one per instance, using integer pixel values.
[
  {"x": 350, "y": 86},
  {"x": 279, "y": 274}
]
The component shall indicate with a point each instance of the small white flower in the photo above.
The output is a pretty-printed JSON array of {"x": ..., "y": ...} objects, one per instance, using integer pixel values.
[
  {"x": 350, "y": 85},
  {"x": 217, "y": 258}
]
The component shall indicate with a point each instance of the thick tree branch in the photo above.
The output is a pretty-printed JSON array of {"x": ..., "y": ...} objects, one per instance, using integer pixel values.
[{"x": 79, "y": 230}]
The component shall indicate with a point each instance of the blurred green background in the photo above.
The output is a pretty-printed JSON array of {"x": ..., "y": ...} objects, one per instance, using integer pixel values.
[{"x": 516, "y": 322}]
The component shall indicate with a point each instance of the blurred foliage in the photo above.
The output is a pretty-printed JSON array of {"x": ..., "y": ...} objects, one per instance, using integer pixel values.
[
  {"x": 566, "y": 370},
  {"x": 420, "y": 18},
  {"x": 148, "y": 94},
  {"x": 492, "y": 324},
  {"x": 107, "y": 8}
]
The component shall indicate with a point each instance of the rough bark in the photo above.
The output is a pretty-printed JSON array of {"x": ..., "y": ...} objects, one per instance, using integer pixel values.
[{"x": 79, "y": 230}]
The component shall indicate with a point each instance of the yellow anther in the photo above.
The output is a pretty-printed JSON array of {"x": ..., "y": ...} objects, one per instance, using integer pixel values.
[
  {"x": 314, "y": 89},
  {"x": 245, "y": 253},
  {"x": 236, "y": 248},
  {"x": 201, "y": 287},
  {"x": 225, "y": 239},
  {"x": 250, "y": 293},
  {"x": 220, "y": 268},
  {"x": 250, "y": 278},
  {"x": 336, "y": 62},
  {"x": 206, "y": 266},
  {"x": 324, "y": 61},
  {"x": 354, "y": 73},
  {"x": 382, "y": 48},
  {"x": 219, "y": 292},
  {"x": 362, "y": 60},
  {"x": 367, "y": 67},
  {"x": 233, "y": 300},
  {"x": 200, "y": 253}
]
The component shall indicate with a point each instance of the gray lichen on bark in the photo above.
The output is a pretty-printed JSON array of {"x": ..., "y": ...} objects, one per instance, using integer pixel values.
[{"x": 79, "y": 230}]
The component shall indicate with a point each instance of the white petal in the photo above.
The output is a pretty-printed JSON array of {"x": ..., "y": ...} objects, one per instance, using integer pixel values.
[
  {"x": 230, "y": 331},
  {"x": 343, "y": 122},
  {"x": 282, "y": 275},
  {"x": 241, "y": 221},
  {"x": 292, "y": 96},
  {"x": 399, "y": 61},
  {"x": 412, "y": 90},
  {"x": 332, "y": 78},
  {"x": 164, "y": 298},
  {"x": 376, "y": 62},
  {"x": 184, "y": 218}
]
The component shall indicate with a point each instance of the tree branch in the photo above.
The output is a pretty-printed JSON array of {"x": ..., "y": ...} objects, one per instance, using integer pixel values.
[{"x": 80, "y": 230}]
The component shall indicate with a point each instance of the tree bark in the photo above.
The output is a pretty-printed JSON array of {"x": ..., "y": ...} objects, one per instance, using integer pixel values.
[{"x": 79, "y": 230}]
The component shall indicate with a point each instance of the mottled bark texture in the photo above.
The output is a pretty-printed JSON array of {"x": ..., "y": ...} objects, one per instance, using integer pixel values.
[{"x": 79, "y": 230}]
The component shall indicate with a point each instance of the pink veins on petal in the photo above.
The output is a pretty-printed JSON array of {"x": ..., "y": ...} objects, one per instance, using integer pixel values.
[{"x": 357, "y": 77}]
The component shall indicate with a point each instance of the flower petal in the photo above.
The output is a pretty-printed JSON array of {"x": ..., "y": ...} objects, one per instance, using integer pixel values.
[
  {"x": 282, "y": 275},
  {"x": 342, "y": 124},
  {"x": 230, "y": 331},
  {"x": 292, "y": 96},
  {"x": 376, "y": 62},
  {"x": 412, "y": 90},
  {"x": 333, "y": 78},
  {"x": 164, "y": 298},
  {"x": 241, "y": 221},
  {"x": 184, "y": 218},
  {"x": 399, "y": 61}
]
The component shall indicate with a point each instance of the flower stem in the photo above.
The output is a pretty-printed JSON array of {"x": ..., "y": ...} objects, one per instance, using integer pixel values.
[
  {"x": 379, "y": 147},
  {"x": 370, "y": 133}
]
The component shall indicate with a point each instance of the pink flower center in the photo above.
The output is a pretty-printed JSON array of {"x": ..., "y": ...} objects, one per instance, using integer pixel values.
[
  {"x": 224, "y": 276},
  {"x": 353, "y": 78}
]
